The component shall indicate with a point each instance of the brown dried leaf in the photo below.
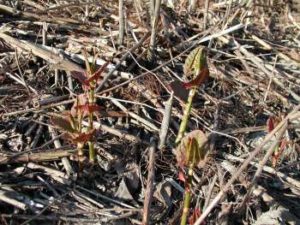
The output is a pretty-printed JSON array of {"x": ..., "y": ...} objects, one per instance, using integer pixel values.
[{"x": 111, "y": 114}]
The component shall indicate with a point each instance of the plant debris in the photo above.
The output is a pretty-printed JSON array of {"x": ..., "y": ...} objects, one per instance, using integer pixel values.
[{"x": 130, "y": 56}]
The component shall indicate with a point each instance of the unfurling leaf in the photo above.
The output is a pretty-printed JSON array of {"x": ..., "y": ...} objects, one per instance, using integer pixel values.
[
  {"x": 192, "y": 149},
  {"x": 80, "y": 76},
  {"x": 63, "y": 123},
  {"x": 84, "y": 137},
  {"x": 80, "y": 100},
  {"x": 87, "y": 109},
  {"x": 195, "y": 67},
  {"x": 198, "y": 80},
  {"x": 95, "y": 76},
  {"x": 272, "y": 122},
  {"x": 195, "y": 62},
  {"x": 278, "y": 151}
]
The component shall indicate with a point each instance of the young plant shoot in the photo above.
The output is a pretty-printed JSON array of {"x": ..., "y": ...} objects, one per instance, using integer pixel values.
[
  {"x": 190, "y": 152},
  {"x": 196, "y": 70},
  {"x": 190, "y": 148},
  {"x": 84, "y": 107}
]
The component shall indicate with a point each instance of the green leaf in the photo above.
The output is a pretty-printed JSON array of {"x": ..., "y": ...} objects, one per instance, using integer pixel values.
[{"x": 195, "y": 62}]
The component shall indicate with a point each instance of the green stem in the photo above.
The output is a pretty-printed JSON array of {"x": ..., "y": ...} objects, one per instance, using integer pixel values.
[
  {"x": 187, "y": 196},
  {"x": 80, "y": 156},
  {"x": 186, "y": 115},
  {"x": 92, "y": 153}
]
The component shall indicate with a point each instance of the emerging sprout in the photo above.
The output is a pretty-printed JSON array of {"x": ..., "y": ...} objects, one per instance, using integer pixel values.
[
  {"x": 195, "y": 68},
  {"x": 192, "y": 149},
  {"x": 84, "y": 106},
  {"x": 190, "y": 152}
]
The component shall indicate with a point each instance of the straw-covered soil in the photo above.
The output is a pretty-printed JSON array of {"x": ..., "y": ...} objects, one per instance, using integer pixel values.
[{"x": 248, "y": 108}]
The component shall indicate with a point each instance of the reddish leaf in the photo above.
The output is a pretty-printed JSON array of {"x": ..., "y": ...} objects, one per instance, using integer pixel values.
[
  {"x": 97, "y": 74},
  {"x": 181, "y": 176},
  {"x": 195, "y": 215},
  {"x": 86, "y": 109},
  {"x": 278, "y": 152},
  {"x": 63, "y": 123},
  {"x": 81, "y": 77},
  {"x": 83, "y": 137},
  {"x": 81, "y": 100},
  {"x": 272, "y": 122},
  {"x": 203, "y": 75},
  {"x": 86, "y": 82},
  {"x": 179, "y": 90}
]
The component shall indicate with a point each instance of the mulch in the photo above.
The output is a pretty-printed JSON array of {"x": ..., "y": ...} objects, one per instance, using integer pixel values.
[{"x": 248, "y": 108}]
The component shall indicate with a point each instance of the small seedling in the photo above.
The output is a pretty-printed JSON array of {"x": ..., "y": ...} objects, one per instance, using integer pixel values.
[
  {"x": 272, "y": 122},
  {"x": 190, "y": 148},
  {"x": 84, "y": 107},
  {"x": 196, "y": 71},
  {"x": 190, "y": 152}
]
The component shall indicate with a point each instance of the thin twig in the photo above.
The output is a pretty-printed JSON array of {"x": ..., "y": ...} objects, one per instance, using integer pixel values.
[
  {"x": 121, "y": 22},
  {"x": 154, "y": 21},
  {"x": 150, "y": 187},
  {"x": 107, "y": 76},
  {"x": 205, "y": 14},
  {"x": 242, "y": 167},
  {"x": 263, "y": 162},
  {"x": 147, "y": 123},
  {"x": 65, "y": 160},
  {"x": 165, "y": 122}
]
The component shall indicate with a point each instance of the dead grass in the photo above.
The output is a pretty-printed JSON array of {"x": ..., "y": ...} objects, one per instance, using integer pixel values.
[{"x": 254, "y": 64}]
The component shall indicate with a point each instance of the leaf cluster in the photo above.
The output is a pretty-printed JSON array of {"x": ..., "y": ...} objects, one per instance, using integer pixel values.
[{"x": 192, "y": 149}]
